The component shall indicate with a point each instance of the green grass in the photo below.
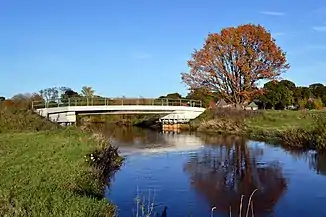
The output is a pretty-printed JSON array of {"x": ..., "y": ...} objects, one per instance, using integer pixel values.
[
  {"x": 45, "y": 174},
  {"x": 280, "y": 120},
  {"x": 13, "y": 119}
]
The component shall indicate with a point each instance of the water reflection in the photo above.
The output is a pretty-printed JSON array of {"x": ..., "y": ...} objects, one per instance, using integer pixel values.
[
  {"x": 230, "y": 169},
  {"x": 202, "y": 171},
  {"x": 318, "y": 162},
  {"x": 315, "y": 160},
  {"x": 131, "y": 140}
]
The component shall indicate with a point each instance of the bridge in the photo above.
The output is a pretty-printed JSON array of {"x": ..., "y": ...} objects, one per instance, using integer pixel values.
[{"x": 170, "y": 110}]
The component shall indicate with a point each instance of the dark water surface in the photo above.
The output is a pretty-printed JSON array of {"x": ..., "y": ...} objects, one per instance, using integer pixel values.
[{"x": 190, "y": 174}]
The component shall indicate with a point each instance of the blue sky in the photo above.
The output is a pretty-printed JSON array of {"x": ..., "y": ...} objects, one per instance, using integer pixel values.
[{"x": 139, "y": 47}]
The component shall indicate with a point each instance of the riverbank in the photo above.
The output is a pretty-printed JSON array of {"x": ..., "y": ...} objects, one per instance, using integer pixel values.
[
  {"x": 50, "y": 171},
  {"x": 46, "y": 174},
  {"x": 295, "y": 129}
]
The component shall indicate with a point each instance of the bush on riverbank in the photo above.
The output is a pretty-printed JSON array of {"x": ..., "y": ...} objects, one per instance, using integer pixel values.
[
  {"x": 223, "y": 120},
  {"x": 46, "y": 174}
]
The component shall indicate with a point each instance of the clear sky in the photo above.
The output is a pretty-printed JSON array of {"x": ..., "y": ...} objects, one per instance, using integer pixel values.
[{"x": 140, "y": 47}]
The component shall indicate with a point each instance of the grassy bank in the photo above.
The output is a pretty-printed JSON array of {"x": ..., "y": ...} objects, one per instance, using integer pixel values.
[
  {"x": 299, "y": 129},
  {"x": 46, "y": 174},
  {"x": 50, "y": 171},
  {"x": 15, "y": 119}
]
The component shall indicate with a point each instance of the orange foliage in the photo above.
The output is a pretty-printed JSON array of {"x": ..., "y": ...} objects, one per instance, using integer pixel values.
[{"x": 233, "y": 61}]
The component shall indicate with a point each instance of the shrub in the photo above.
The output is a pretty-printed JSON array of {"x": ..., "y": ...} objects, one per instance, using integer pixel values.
[{"x": 318, "y": 104}]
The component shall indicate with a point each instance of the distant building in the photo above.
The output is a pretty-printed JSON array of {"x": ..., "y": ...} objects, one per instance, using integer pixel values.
[{"x": 251, "y": 106}]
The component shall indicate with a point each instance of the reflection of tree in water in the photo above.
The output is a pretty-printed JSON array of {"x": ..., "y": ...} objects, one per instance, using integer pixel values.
[
  {"x": 318, "y": 162},
  {"x": 227, "y": 171},
  {"x": 315, "y": 160}
]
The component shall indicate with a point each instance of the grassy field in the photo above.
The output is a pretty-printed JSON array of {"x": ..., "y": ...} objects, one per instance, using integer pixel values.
[
  {"x": 282, "y": 120},
  {"x": 46, "y": 174}
]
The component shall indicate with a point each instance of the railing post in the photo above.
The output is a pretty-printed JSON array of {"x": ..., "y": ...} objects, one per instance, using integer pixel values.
[
  {"x": 104, "y": 101},
  {"x": 87, "y": 101},
  {"x": 167, "y": 102},
  {"x": 32, "y": 105},
  {"x": 69, "y": 102},
  {"x": 75, "y": 102},
  {"x": 122, "y": 102}
]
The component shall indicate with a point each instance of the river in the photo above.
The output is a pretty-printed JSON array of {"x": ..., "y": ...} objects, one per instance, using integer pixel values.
[{"x": 189, "y": 174}]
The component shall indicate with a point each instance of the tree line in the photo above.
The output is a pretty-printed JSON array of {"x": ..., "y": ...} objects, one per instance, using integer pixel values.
[
  {"x": 47, "y": 95},
  {"x": 283, "y": 94}
]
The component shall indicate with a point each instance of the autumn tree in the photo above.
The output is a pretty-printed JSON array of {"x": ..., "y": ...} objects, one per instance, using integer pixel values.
[
  {"x": 232, "y": 62},
  {"x": 87, "y": 92}
]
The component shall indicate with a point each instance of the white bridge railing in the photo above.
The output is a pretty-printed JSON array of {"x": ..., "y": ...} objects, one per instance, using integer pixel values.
[{"x": 97, "y": 101}]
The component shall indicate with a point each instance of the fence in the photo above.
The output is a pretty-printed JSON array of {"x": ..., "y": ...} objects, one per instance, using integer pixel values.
[{"x": 115, "y": 101}]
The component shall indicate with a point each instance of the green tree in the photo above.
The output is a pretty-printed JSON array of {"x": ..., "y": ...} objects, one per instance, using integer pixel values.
[
  {"x": 174, "y": 96},
  {"x": 203, "y": 94},
  {"x": 171, "y": 96},
  {"x": 87, "y": 92},
  {"x": 2, "y": 98},
  {"x": 288, "y": 84},
  {"x": 69, "y": 93},
  {"x": 318, "y": 90},
  {"x": 50, "y": 94},
  {"x": 304, "y": 93},
  {"x": 277, "y": 95}
]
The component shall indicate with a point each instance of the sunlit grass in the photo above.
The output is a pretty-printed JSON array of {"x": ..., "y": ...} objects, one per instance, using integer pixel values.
[
  {"x": 281, "y": 120},
  {"x": 41, "y": 173}
]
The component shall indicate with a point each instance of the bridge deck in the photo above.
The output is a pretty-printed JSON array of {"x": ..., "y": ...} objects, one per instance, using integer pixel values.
[{"x": 177, "y": 111}]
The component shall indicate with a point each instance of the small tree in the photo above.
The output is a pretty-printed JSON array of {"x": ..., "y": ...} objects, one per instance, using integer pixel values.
[{"x": 87, "y": 92}]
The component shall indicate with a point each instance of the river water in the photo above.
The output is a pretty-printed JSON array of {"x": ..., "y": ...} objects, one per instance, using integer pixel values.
[{"x": 188, "y": 175}]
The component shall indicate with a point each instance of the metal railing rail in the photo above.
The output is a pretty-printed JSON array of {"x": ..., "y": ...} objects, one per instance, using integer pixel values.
[{"x": 115, "y": 101}]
